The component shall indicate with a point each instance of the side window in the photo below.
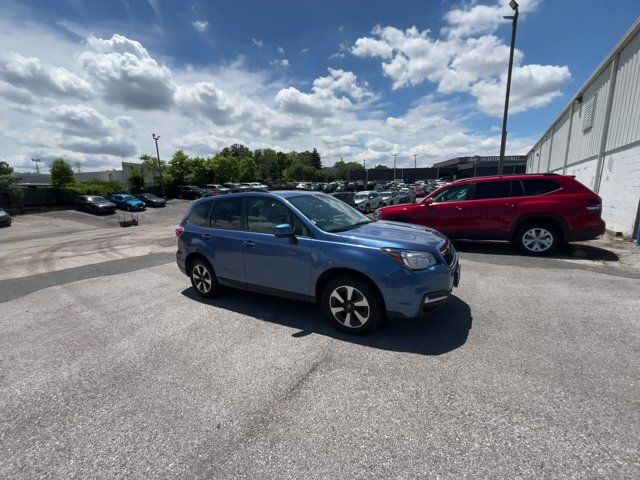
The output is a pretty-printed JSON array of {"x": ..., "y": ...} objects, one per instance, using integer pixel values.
[
  {"x": 540, "y": 186},
  {"x": 264, "y": 214},
  {"x": 454, "y": 194},
  {"x": 227, "y": 214},
  {"x": 200, "y": 214},
  {"x": 486, "y": 190},
  {"x": 516, "y": 189}
]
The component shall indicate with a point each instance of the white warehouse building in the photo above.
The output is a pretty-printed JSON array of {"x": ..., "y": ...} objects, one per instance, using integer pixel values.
[{"x": 597, "y": 136}]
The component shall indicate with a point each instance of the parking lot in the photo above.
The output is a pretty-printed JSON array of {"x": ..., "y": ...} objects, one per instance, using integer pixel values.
[{"x": 113, "y": 368}]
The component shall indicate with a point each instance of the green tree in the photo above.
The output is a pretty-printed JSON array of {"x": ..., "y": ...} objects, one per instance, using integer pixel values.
[
  {"x": 179, "y": 168},
  {"x": 315, "y": 160},
  {"x": 136, "y": 179},
  {"x": 225, "y": 169},
  {"x": 380, "y": 167},
  {"x": 199, "y": 172},
  {"x": 246, "y": 170},
  {"x": 6, "y": 179},
  {"x": 150, "y": 164},
  {"x": 236, "y": 150},
  {"x": 61, "y": 173},
  {"x": 298, "y": 170},
  {"x": 342, "y": 168}
]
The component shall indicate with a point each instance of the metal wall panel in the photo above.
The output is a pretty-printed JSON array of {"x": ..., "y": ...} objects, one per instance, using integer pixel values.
[
  {"x": 624, "y": 125},
  {"x": 560, "y": 137},
  {"x": 586, "y": 143},
  {"x": 545, "y": 149}
]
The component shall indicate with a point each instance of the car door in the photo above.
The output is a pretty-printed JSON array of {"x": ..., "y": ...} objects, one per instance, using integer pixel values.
[
  {"x": 444, "y": 212},
  {"x": 277, "y": 265},
  {"x": 224, "y": 239},
  {"x": 492, "y": 209}
]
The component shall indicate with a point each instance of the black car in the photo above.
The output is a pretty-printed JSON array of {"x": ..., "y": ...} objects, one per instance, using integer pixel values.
[
  {"x": 5, "y": 218},
  {"x": 151, "y": 200},
  {"x": 95, "y": 204},
  {"x": 346, "y": 197},
  {"x": 190, "y": 192}
]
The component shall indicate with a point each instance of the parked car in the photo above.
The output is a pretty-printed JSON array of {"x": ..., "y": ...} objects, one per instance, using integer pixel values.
[
  {"x": 95, "y": 204},
  {"x": 346, "y": 197},
  {"x": 311, "y": 246},
  {"x": 127, "y": 202},
  {"x": 5, "y": 218},
  {"x": 213, "y": 189},
  {"x": 367, "y": 201},
  {"x": 151, "y": 200},
  {"x": 536, "y": 212},
  {"x": 390, "y": 198},
  {"x": 190, "y": 192}
]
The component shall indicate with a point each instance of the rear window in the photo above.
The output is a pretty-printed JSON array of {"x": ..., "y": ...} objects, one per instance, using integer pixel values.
[
  {"x": 227, "y": 214},
  {"x": 540, "y": 186},
  {"x": 200, "y": 214},
  {"x": 486, "y": 190}
]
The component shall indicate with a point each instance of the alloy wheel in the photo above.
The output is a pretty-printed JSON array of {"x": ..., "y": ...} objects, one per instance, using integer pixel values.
[
  {"x": 537, "y": 239},
  {"x": 349, "y": 306},
  {"x": 202, "y": 278}
]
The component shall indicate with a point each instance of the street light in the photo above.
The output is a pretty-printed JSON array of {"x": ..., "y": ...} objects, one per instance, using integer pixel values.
[
  {"x": 156, "y": 138},
  {"x": 503, "y": 142},
  {"x": 366, "y": 172}
]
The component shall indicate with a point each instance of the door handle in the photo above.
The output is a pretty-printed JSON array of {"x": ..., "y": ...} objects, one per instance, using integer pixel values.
[
  {"x": 459, "y": 208},
  {"x": 206, "y": 236},
  {"x": 249, "y": 243},
  {"x": 509, "y": 204}
]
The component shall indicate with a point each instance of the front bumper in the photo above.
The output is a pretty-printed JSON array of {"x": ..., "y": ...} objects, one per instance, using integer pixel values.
[{"x": 424, "y": 292}]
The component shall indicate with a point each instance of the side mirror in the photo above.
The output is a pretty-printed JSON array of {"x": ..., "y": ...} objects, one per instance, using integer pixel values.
[
  {"x": 283, "y": 231},
  {"x": 428, "y": 201}
]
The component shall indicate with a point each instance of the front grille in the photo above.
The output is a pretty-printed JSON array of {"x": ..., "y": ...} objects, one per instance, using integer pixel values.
[{"x": 447, "y": 252}]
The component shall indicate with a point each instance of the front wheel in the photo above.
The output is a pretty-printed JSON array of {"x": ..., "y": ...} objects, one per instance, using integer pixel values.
[
  {"x": 537, "y": 239},
  {"x": 203, "y": 279},
  {"x": 352, "y": 306},
  {"x": 367, "y": 209}
]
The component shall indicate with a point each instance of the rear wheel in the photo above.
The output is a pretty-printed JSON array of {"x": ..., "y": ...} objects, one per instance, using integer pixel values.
[
  {"x": 203, "y": 279},
  {"x": 537, "y": 239},
  {"x": 352, "y": 305}
]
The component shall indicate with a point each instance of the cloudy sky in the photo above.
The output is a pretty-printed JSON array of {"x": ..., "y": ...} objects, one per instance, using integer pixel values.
[{"x": 90, "y": 81}]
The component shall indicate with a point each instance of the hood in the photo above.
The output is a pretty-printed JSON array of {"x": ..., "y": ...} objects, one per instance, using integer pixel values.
[
  {"x": 135, "y": 201},
  {"x": 105, "y": 204},
  {"x": 395, "y": 235},
  {"x": 3, "y": 213}
]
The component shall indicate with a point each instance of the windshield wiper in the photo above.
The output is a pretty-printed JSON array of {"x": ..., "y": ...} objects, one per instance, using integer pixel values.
[{"x": 351, "y": 227}]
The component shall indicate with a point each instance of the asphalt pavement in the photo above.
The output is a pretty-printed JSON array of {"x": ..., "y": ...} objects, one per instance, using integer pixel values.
[{"x": 117, "y": 370}]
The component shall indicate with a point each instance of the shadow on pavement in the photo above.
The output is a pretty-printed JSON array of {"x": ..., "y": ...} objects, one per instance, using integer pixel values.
[
  {"x": 440, "y": 332},
  {"x": 571, "y": 251}
]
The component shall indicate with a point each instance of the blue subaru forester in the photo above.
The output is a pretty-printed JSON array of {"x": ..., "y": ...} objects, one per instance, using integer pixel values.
[{"x": 313, "y": 247}]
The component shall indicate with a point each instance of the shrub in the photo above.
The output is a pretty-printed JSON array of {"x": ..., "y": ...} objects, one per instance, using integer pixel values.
[{"x": 94, "y": 187}]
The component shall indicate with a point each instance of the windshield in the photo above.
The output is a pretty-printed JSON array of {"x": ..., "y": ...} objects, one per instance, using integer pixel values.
[
  {"x": 328, "y": 213},
  {"x": 385, "y": 195},
  {"x": 360, "y": 196},
  {"x": 98, "y": 199},
  {"x": 128, "y": 197}
]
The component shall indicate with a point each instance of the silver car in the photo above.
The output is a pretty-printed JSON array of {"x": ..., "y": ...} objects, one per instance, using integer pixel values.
[
  {"x": 368, "y": 201},
  {"x": 5, "y": 218}
]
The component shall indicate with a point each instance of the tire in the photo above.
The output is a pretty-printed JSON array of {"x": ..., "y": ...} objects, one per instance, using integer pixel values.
[
  {"x": 367, "y": 209},
  {"x": 352, "y": 306},
  {"x": 537, "y": 239},
  {"x": 203, "y": 279}
]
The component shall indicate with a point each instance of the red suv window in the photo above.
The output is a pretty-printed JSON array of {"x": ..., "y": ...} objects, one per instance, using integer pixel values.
[
  {"x": 486, "y": 190},
  {"x": 540, "y": 186}
]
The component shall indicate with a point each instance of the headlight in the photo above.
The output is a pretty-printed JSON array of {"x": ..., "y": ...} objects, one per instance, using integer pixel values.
[{"x": 410, "y": 259}]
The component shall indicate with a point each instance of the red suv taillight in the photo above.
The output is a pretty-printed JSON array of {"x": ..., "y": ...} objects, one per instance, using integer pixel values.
[
  {"x": 179, "y": 231},
  {"x": 595, "y": 205}
]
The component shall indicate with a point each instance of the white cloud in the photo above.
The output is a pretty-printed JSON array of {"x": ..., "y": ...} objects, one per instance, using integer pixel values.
[
  {"x": 531, "y": 86},
  {"x": 29, "y": 73},
  {"x": 281, "y": 50},
  {"x": 127, "y": 74},
  {"x": 468, "y": 59},
  {"x": 200, "y": 25},
  {"x": 257, "y": 43},
  {"x": 280, "y": 63}
]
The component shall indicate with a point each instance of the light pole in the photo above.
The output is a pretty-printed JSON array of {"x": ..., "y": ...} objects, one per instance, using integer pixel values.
[
  {"x": 37, "y": 160},
  {"x": 395, "y": 156},
  {"x": 156, "y": 138},
  {"x": 514, "y": 23},
  {"x": 415, "y": 160},
  {"x": 366, "y": 172}
]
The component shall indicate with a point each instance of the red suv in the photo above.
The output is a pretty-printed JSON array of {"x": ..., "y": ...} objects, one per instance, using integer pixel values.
[{"x": 536, "y": 212}]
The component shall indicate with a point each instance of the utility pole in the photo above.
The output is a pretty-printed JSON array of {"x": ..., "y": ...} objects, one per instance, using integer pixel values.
[
  {"x": 37, "y": 161},
  {"x": 395, "y": 156},
  {"x": 366, "y": 172},
  {"x": 503, "y": 142},
  {"x": 415, "y": 160},
  {"x": 156, "y": 138},
  {"x": 78, "y": 169}
]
